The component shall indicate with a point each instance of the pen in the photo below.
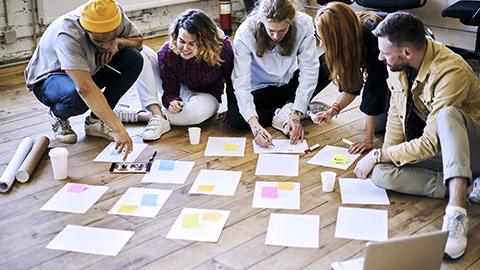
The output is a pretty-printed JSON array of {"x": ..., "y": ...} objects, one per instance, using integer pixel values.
[
  {"x": 312, "y": 148},
  {"x": 347, "y": 141},
  {"x": 110, "y": 67},
  {"x": 153, "y": 156},
  {"x": 257, "y": 131}
]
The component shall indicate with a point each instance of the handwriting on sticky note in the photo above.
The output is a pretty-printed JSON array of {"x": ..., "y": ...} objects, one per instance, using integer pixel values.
[
  {"x": 190, "y": 221},
  {"x": 286, "y": 186},
  {"x": 339, "y": 159},
  {"x": 211, "y": 216},
  {"x": 230, "y": 147},
  {"x": 206, "y": 188},
  {"x": 127, "y": 208},
  {"x": 269, "y": 192},
  {"x": 77, "y": 188},
  {"x": 166, "y": 165},
  {"x": 149, "y": 200}
]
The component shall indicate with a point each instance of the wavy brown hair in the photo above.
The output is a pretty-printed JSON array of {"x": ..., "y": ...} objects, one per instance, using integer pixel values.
[
  {"x": 274, "y": 11},
  {"x": 340, "y": 29},
  {"x": 208, "y": 36}
]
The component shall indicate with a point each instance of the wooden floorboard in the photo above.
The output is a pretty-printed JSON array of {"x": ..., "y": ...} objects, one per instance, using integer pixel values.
[{"x": 25, "y": 230}]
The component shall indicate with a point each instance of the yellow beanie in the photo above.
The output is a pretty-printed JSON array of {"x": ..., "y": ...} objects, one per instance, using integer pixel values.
[{"x": 100, "y": 16}]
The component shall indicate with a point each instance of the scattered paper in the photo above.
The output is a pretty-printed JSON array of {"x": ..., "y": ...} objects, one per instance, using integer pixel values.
[
  {"x": 281, "y": 146},
  {"x": 90, "y": 240},
  {"x": 216, "y": 182},
  {"x": 362, "y": 224},
  {"x": 268, "y": 195},
  {"x": 293, "y": 230},
  {"x": 162, "y": 174},
  {"x": 358, "y": 191},
  {"x": 225, "y": 146},
  {"x": 73, "y": 202},
  {"x": 148, "y": 201},
  {"x": 325, "y": 157},
  {"x": 277, "y": 164},
  {"x": 109, "y": 153}
]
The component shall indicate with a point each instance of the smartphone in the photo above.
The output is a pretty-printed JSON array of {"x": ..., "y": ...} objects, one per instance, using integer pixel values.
[{"x": 130, "y": 167}]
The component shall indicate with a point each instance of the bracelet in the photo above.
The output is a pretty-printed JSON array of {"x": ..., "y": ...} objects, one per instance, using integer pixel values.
[{"x": 336, "y": 107}]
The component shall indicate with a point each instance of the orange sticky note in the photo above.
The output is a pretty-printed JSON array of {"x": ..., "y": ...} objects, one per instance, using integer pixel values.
[
  {"x": 211, "y": 216},
  {"x": 190, "y": 221},
  {"x": 206, "y": 188},
  {"x": 339, "y": 159},
  {"x": 286, "y": 186},
  {"x": 230, "y": 147},
  {"x": 127, "y": 208}
]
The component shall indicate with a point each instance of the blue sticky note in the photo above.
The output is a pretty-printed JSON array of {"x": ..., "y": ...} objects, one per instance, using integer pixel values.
[
  {"x": 166, "y": 165},
  {"x": 114, "y": 153},
  {"x": 149, "y": 200}
]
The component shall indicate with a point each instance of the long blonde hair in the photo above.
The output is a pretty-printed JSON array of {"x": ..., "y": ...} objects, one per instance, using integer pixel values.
[{"x": 208, "y": 36}]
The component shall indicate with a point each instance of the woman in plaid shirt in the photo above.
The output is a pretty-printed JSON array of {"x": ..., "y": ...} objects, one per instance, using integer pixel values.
[{"x": 189, "y": 71}]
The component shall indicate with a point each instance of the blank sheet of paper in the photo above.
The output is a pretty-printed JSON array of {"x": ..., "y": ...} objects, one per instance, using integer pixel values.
[
  {"x": 358, "y": 191},
  {"x": 216, "y": 182},
  {"x": 149, "y": 201},
  {"x": 286, "y": 198},
  {"x": 74, "y": 202},
  {"x": 225, "y": 146},
  {"x": 109, "y": 153},
  {"x": 90, "y": 240},
  {"x": 206, "y": 228},
  {"x": 171, "y": 172},
  {"x": 281, "y": 146},
  {"x": 325, "y": 156},
  {"x": 277, "y": 164},
  {"x": 362, "y": 224},
  {"x": 293, "y": 230}
]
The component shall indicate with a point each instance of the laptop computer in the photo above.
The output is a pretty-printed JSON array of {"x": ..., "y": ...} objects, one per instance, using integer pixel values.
[{"x": 423, "y": 251}]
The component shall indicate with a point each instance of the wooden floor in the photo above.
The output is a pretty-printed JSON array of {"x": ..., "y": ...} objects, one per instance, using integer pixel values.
[{"x": 25, "y": 230}]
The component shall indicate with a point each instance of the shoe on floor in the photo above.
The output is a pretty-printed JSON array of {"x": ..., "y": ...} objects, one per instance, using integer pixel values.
[
  {"x": 156, "y": 127},
  {"x": 455, "y": 222},
  {"x": 62, "y": 130},
  {"x": 474, "y": 196},
  {"x": 317, "y": 106},
  {"x": 127, "y": 115},
  {"x": 280, "y": 119},
  {"x": 97, "y": 128}
]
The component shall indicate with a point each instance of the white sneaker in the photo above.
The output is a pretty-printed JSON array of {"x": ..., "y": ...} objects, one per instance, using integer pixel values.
[
  {"x": 455, "y": 222},
  {"x": 128, "y": 116},
  {"x": 97, "y": 128},
  {"x": 156, "y": 127},
  {"x": 280, "y": 119},
  {"x": 62, "y": 130},
  {"x": 317, "y": 106},
  {"x": 474, "y": 196}
]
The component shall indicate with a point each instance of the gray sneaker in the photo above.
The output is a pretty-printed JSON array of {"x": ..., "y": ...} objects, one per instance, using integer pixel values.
[
  {"x": 280, "y": 119},
  {"x": 317, "y": 106},
  {"x": 474, "y": 196},
  {"x": 97, "y": 128},
  {"x": 456, "y": 223},
  {"x": 62, "y": 130}
]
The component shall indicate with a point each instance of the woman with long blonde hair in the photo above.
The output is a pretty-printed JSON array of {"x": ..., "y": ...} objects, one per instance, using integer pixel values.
[{"x": 351, "y": 54}]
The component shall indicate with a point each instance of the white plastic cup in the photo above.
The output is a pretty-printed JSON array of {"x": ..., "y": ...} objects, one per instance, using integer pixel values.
[
  {"x": 194, "y": 133},
  {"x": 328, "y": 181},
  {"x": 59, "y": 159}
]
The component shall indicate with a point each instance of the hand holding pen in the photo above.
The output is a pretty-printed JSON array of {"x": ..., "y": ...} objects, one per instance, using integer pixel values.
[{"x": 262, "y": 137}]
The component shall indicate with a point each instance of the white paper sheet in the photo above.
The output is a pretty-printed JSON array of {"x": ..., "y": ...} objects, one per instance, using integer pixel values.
[
  {"x": 216, "y": 146},
  {"x": 277, "y": 164},
  {"x": 109, "y": 153},
  {"x": 324, "y": 157},
  {"x": 286, "y": 199},
  {"x": 362, "y": 224},
  {"x": 358, "y": 191},
  {"x": 90, "y": 240},
  {"x": 177, "y": 175},
  {"x": 282, "y": 146},
  {"x": 207, "y": 230},
  {"x": 133, "y": 197},
  {"x": 224, "y": 182},
  {"x": 293, "y": 230},
  {"x": 72, "y": 202}
]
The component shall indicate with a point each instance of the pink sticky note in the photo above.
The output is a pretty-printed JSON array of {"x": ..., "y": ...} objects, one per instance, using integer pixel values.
[
  {"x": 77, "y": 188},
  {"x": 269, "y": 192}
]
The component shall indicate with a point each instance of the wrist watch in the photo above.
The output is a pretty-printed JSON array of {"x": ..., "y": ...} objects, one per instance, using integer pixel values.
[{"x": 377, "y": 155}]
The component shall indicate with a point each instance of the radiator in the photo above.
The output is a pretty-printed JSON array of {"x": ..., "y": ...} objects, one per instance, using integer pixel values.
[{"x": 49, "y": 10}]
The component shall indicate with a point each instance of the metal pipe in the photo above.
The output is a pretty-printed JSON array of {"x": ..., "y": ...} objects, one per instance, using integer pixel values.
[{"x": 6, "y": 14}]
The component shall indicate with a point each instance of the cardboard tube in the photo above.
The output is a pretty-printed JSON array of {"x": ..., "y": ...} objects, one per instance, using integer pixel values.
[
  {"x": 8, "y": 175},
  {"x": 39, "y": 147}
]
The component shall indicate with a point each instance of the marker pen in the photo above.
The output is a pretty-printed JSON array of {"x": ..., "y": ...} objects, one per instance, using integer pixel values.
[
  {"x": 312, "y": 148},
  {"x": 347, "y": 141}
]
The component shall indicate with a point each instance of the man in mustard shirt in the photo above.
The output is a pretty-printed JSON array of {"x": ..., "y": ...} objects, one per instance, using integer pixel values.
[{"x": 432, "y": 140}]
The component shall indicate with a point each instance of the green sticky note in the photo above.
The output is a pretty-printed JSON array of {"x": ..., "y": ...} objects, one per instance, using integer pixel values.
[
  {"x": 206, "y": 188},
  {"x": 230, "y": 147},
  {"x": 190, "y": 221},
  {"x": 127, "y": 208},
  {"x": 339, "y": 159}
]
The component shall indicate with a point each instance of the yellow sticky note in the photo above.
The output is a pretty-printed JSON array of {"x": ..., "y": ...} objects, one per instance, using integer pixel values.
[
  {"x": 211, "y": 216},
  {"x": 127, "y": 208},
  {"x": 339, "y": 159},
  {"x": 205, "y": 188},
  {"x": 230, "y": 147},
  {"x": 190, "y": 221},
  {"x": 286, "y": 186}
]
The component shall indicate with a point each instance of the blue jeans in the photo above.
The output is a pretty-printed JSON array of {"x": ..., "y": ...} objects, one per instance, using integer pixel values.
[{"x": 60, "y": 93}]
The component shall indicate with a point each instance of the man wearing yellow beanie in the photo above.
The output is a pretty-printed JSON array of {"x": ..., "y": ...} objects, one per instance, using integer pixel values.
[{"x": 93, "y": 47}]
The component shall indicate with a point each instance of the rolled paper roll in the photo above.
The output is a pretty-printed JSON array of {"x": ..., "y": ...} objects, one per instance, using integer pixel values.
[
  {"x": 8, "y": 175},
  {"x": 31, "y": 161}
]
